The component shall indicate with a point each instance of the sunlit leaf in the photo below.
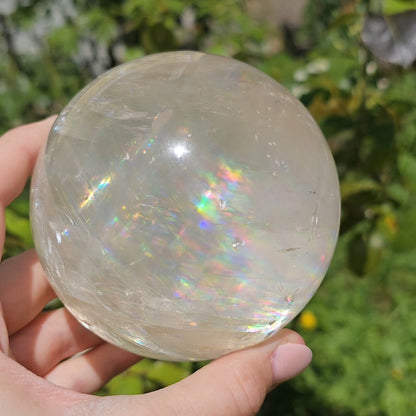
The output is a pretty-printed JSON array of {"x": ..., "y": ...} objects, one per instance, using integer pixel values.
[
  {"x": 166, "y": 373},
  {"x": 134, "y": 53},
  {"x": 398, "y": 6},
  {"x": 128, "y": 383}
]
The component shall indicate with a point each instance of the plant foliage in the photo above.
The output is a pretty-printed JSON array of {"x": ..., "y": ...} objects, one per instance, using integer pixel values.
[{"x": 361, "y": 322}]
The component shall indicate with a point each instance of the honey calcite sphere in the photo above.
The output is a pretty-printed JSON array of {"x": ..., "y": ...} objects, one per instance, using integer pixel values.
[{"x": 186, "y": 205}]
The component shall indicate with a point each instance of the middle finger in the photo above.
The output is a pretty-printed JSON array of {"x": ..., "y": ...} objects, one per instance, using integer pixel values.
[
  {"x": 50, "y": 338},
  {"x": 24, "y": 290}
]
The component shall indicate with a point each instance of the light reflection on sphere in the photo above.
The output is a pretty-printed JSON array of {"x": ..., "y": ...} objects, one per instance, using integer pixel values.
[{"x": 186, "y": 206}]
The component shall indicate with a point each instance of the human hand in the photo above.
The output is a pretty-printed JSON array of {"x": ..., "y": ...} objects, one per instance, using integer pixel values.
[{"x": 41, "y": 372}]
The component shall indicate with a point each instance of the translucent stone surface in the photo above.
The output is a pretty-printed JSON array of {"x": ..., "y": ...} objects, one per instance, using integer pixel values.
[{"x": 186, "y": 206}]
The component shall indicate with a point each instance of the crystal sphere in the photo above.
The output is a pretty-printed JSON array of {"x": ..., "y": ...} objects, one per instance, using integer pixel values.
[{"x": 186, "y": 205}]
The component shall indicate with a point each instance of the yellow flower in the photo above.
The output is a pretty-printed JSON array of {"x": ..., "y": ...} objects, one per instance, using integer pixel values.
[
  {"x": 397, "y": 373},
  {"x": 391, "y": 223},
  {"x": 308, "y": 320}
]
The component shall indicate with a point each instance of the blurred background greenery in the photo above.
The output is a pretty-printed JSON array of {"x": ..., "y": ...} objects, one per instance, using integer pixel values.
[{"x": 351, "y": 62}]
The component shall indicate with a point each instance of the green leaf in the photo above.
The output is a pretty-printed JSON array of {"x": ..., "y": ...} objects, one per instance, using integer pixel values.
[
  {"x": 398, "y": 6},
  {"x": 407, "y": 168},
  {"x": 405, "y": 238},
  {"x": 352, "y": 187},
  {"x": 100, "y": 23},
  {"x": 19, "y": 226},
  {"x": 407, "y": 136},
  {"x": 64, "y": 39},
  {"x": 397, "y": 193},
  {"x": 157, "y": 37},
  {"x": 128, "y": 383},
  {"x": 134, "y": 53},
  {"x": 165, "y": 373},
  {"x": 357, "y": 254},
  {"x": 21, "y": 204}
]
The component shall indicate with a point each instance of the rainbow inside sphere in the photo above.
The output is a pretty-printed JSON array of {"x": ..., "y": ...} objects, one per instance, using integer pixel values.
[{"x": 186, "y": 205}]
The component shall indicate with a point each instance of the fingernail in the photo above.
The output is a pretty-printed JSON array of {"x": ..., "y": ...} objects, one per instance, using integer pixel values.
[{"x": 288, "y": 360}]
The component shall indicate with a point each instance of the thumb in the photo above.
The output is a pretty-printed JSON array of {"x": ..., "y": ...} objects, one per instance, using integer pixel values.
[{"x": 233, "y": 385}]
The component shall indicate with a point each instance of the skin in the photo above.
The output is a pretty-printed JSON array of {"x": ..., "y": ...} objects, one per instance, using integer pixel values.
[{"x": 40, "y": 371}]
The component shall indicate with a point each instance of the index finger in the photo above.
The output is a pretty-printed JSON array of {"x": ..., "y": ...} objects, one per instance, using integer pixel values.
[{"x": 19, "y": 149}]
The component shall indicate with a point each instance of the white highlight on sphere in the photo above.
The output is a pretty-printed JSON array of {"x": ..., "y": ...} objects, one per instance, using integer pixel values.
[
  {"x": 180, "y": 150},
  {"x": 186, "y": 205}
]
